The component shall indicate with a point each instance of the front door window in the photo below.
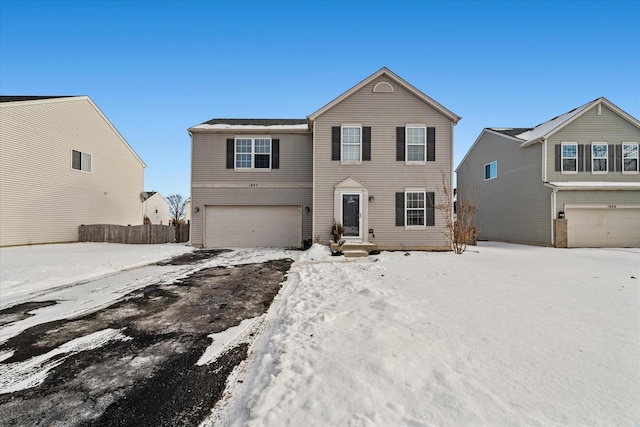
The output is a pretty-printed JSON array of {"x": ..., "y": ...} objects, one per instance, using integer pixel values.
[{"x": 351, "y": 215}]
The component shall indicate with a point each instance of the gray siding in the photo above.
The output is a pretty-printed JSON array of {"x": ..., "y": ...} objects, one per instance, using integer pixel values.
[
  {"x": 589, "y": 127},
  {"x": 613, "y": 197},
  {"x": 383, "y": 175},
  {"x": 43, "y": 199},
  {"x": 514, "y": 207},
  {"x": 213, "y": 184}
]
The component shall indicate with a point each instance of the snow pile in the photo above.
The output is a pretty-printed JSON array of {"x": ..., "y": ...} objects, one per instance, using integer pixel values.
[{"x": 502, "y": 335}]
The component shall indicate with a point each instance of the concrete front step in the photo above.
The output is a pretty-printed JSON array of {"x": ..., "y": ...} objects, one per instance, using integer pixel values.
[
  {"x": 354, "y": 249},
  {"x": 354, "y": 253}
]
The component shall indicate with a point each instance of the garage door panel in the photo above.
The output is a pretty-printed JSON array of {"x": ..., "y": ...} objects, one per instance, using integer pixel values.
[
  {"x": 603, "y": 227},
  {"x": 253, "y": 226}
]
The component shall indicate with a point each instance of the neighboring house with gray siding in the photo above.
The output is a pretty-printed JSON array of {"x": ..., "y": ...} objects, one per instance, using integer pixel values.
[
  {"x": 571, "y": 181},
  {"x": 374, "y": 159},
  {"x": 63, "y": 164}
]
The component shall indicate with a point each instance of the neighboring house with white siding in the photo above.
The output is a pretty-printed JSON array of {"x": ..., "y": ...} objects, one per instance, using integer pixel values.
[
  {"x": 374, "y": 159},
  {"x": 570, "y": 181},
  {"x": 63, "y": 164},
  {"x": 155, "y": 207}
]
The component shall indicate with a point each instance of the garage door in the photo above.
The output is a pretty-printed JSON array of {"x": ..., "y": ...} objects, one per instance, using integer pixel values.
[
  {"x": 603, "y": 226},
  {"x": 253, "y": 226}
]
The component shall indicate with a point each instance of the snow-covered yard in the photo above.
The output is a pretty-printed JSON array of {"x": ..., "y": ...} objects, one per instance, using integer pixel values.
[{"x": 502, "y": 335}]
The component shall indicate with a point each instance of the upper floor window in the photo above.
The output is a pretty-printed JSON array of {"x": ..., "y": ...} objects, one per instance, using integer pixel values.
[
  {"x": 569, "y": 157},
  {"x": 253, "y": 153},
  {"x": 80, "y": 161},
  {"x": 351, "y": 143},
  {"x": 599, "y": 157},
  {"x": 630, "y": 157},
  {"x": 416, "y": 143},
  {"x": 491, "y": 170}
]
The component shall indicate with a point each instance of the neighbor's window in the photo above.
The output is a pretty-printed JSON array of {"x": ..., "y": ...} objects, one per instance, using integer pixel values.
[
  {"x": 599, "y": 157},
  {"x": 351, "y": 143},
  {"x": 569, "y": 157},
  {"x": 491, "y": 170},
  {"x": 629, "y": 157},
  {"x": 416, "y": 143},
  {"x": 80, "y": 161},
  {"x": 253, "y": 153},
  {"x": 414, "y": 207}
]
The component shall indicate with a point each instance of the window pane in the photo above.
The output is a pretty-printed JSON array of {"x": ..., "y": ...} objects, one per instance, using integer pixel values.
[
  {"x": 629, "y": 151},
  {"x": 243, "y": 145},
  {"x": 631, "y": 165},
  {"x": 415, "y": 153},
  {"x": 569, "y": 150},
  {"x": 569, "y": 165},
  {"x": 86, "y": 162},
  {"x": 351, "y": 135},
  {"x": 263, "y": 146},
  {"x": 415, "y": 135},
  {"x": 76, "y": 162},
  {"x": 599, "y": 150},
  {"x": 262, "y": 161},
  {"x": 415, "y": 217},
  {"x": 243, "y": 160},
  {"x": 351, "y": 152},
  {"x": 599, "y": 165}
]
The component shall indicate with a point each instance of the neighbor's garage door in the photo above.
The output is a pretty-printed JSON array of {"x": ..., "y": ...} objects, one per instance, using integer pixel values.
[
  {"x": 603, "y": 226},
  {"x": 253, "y": 226}
]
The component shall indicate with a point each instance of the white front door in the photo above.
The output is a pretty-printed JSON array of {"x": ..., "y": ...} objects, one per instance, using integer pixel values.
[{"x": 351, "y": 214}]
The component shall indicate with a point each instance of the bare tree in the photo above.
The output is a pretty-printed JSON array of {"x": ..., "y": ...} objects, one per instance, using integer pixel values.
[
  {"x": 176, "y": 207},
  {"x": 460, "y": 227}
]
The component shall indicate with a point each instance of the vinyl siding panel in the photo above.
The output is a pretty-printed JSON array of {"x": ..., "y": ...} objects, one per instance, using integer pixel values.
[
  {"x": 572, "y": 197},
  {"x": 383, "y": 176},
  {"x": 514, "y": 207},
  {"x": 215, "y": 185},
  {"x": 43, "y": 199},
  {"x": 590, "y": 127}
]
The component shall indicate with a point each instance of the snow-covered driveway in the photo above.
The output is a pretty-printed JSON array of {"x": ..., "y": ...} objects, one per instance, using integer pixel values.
[{"x": 502, "y": 335}]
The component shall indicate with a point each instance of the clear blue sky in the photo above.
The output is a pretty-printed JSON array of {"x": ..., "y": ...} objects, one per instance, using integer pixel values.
[{"x": 157, "y": 67}]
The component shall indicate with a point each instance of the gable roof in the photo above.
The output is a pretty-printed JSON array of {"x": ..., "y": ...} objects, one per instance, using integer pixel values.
[
  {"x": 544, "y": 130},
  {"x": 17, "y": 98},
  {"x": 384, "y": 71}
]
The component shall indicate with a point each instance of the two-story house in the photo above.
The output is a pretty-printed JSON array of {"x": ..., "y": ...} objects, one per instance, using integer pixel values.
[
  {"x": 570, "y": 181},
  {"x": 63, "y": 164},
  {"x": 375, "y": 159}
]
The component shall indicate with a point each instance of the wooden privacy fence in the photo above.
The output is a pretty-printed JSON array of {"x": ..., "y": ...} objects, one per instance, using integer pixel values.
[{"x": 134, "y": 234}]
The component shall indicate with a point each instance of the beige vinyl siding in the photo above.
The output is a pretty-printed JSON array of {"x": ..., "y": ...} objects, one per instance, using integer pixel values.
[
  {"x": 383, "y": 175},
  {"x": 516, "y": 206},
  {"x": 612, "y": 197},
  {"x": 43, "y": 199},
  {"x": 590, "y": 127},
  {"x": 156, "y": 208},
  {"x": 215, "y": 185}
]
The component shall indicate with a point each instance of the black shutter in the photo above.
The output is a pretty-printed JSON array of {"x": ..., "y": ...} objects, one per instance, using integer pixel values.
[
  {"x": 275, "y": 154},
  {"x": 400, "y": 209},
  {"x": 587, "y": 158},
  {"x": 558, "y": 149},
  {"x": 430, "y": 219},
  {"x": 400, "y": 145},
  {"x": 230, "y": 153},
  {"x": 335, "y": 143},
  {"x": 431, "y": 144},
  {"x": 366, "y": 143},
  {"x": 612, "y": 159},
  {"x": 618, "y": 158},
  {"x": 580, "y": 157}
]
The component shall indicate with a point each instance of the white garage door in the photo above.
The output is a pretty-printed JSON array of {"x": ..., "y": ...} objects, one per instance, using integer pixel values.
[
  {"x": 603, "y": 226},
  {"x": 253, "y": 226}
]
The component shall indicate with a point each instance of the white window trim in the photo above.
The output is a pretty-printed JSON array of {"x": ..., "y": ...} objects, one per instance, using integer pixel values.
[
  {"x": 424, "y": 209},
  {"x": 484, "y": 171},
  {"x": 350, "y": 162},
  {"x": 406, "y": 144},
  {"x": 253, "y": 153},
  {"x": 562, "y": 171},
  {"x": 637, "y": 158},
  {"x": 606, "y": 158},
  {"x": 81, "y": 154}
]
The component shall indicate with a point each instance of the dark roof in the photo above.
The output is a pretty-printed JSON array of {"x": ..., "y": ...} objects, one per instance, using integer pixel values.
[
  {"x": 11, "y": 98},
  {"x": 510, "y": 131},
  {"x": 256, "y": 122}
]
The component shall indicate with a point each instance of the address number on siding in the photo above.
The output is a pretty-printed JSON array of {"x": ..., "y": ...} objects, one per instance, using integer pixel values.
[
  {"x": 612, "y": 206},
  {"x": 253, "y": 185}
]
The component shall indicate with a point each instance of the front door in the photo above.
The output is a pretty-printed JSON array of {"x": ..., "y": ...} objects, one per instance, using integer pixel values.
[{"x": 352, "y": 215}]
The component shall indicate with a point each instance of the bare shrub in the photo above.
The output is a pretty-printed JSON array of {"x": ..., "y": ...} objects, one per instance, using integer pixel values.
[{"x": 460, "y": 227}]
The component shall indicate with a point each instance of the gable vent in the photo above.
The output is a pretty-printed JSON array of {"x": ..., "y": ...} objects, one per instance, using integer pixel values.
[{"x": 384, "y": 87}]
